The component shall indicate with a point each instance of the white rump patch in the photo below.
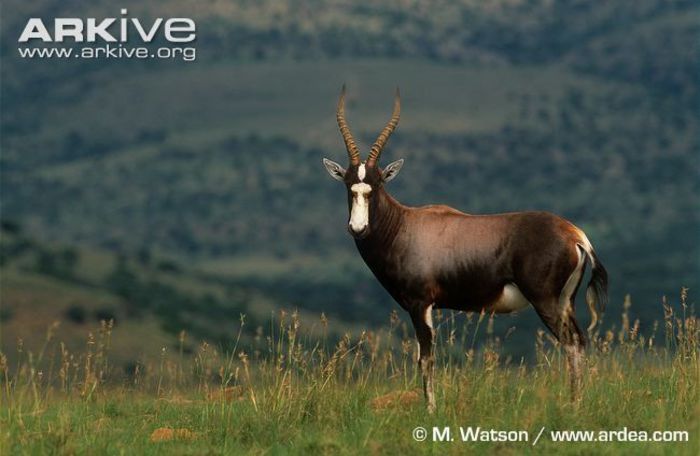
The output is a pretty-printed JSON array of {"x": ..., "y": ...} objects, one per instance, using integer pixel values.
[
  {"x": 361, "y": 172},
  {"x": 511, "y": 300},
  {"x": 359, "y": 214}
]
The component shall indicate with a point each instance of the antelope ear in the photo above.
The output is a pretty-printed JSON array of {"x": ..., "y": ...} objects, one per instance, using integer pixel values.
[
  {"x": 336, "y": 171},
  {"x": 392, "y": 170}
]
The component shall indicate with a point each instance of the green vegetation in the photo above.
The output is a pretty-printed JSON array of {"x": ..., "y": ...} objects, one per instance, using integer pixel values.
[{"x": 296, "y": 392}]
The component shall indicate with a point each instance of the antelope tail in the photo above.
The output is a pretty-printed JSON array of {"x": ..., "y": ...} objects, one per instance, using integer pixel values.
[{"x": 597, "y": 289}]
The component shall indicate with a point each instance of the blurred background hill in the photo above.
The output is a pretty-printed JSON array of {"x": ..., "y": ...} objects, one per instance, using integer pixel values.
[{"x": 177, "y": 195}]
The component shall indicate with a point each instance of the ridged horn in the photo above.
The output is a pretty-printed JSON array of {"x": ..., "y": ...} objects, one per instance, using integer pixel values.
[
  {"x": 383, "y": 137},
  {"x": 353, "y": 151}
]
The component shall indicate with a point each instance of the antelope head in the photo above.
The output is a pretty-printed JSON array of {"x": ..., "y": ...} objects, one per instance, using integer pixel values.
[{"x": 363, "y": 179}]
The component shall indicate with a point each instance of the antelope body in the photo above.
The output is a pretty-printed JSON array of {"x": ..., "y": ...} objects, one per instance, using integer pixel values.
[{"x": 438, "y": 257}]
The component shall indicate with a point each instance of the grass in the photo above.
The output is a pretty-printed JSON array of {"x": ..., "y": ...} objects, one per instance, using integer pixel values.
[{"x": 291, "y": 392}]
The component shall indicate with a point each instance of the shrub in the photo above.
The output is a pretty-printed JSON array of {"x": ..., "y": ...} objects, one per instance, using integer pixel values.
[{"x": 76, "y": 314}]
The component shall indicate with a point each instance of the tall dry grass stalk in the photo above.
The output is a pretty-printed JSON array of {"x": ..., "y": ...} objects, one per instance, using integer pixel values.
[{"x": 290, "y": 375}]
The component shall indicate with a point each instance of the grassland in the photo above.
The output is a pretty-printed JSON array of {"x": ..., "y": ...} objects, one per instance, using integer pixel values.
[{"x": 295, "y": 393}]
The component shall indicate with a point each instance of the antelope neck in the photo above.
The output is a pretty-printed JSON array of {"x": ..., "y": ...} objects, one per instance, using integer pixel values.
[{"x": 385, "y": 219}]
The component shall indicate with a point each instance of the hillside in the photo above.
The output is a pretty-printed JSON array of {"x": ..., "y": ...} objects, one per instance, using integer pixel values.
[
  {"x": 587, "y": 111},
  {"x": 70, "y": 294}
]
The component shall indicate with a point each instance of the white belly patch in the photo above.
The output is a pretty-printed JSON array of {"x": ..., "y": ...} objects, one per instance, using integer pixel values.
[{"x": 511, "y": 300}]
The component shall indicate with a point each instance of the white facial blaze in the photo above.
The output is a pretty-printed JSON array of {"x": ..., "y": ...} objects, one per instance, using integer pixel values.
[
  {"x": 361, "y": 172},
  {"x": 359, "y": 214}
]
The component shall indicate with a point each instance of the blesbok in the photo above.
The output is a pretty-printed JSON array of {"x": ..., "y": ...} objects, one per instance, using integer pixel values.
[{"x": 437, "y": 256}]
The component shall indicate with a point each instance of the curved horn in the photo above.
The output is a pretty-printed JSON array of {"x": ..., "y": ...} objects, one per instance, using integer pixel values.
[
  {"x": 353, "y": 151},
  {"x": 383, "y": 137}
]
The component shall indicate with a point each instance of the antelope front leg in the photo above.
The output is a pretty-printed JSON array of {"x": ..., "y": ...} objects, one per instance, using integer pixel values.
[{"x": 423, "y": 324}]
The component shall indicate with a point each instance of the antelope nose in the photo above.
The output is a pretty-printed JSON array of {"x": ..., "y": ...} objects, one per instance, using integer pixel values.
[{"x": 358, "y": 233}]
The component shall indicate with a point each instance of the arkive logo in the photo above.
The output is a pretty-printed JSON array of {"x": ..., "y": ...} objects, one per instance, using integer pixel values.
[
  {"x": 175, "y": 30},
  {"x": 121, "y": 30}
]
